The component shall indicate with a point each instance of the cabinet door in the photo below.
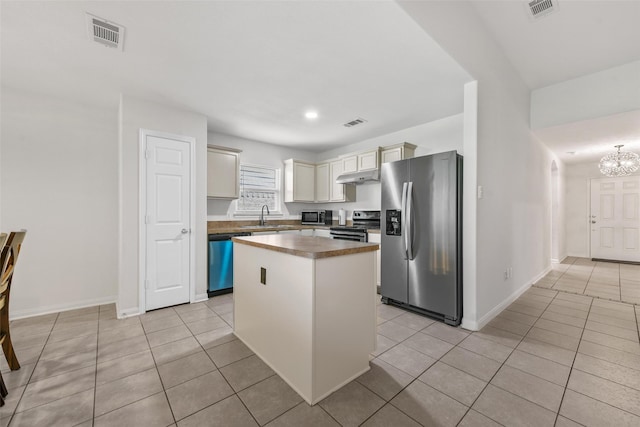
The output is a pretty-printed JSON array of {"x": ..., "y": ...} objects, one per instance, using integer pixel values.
[
  {"x": 336, "y": 190},
  {"x": 350, "y": 164},
  {"x": 222, "y": 174},
  {"x": 392, "y": 155},
  {"x": 375, "y": 238},
  {"x": 322, "y": 182},
  {"x": 322, "y": 232},
  {"x": 304, "y": 182},
  {"x": 368, "y": 161}
]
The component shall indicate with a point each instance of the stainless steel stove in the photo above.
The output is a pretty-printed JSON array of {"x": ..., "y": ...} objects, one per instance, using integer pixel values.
[{"x": 362, "y": 221}]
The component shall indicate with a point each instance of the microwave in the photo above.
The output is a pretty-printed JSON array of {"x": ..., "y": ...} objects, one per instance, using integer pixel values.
[{"x": 323, "y": 217}]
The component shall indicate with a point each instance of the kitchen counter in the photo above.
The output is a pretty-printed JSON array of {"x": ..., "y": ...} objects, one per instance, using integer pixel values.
[
  {"x": 305, "y": 246},
  {"x": 225, "y": 227},
  {"x": 251, "y": 226},
  {"x": 306, "y": 306}
]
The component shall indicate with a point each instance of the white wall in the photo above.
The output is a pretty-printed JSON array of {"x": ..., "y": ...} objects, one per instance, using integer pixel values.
[
  {"x": 138, "y": 114},
  {"x": 513, "y": 218},
  {"x": 257, "y": 153},
  {"x": 601, "y": 94},
  {"x": 434, "y": 137},
  {"x": 59, "y": 181},
  {"x": 578, "y": 202},
  {"x": 441, "y": 135}
]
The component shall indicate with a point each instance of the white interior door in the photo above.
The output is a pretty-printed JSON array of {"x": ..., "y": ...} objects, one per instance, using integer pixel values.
[
  {"x": 168, "y": 228},
  {"x": 615, "y": 218}
]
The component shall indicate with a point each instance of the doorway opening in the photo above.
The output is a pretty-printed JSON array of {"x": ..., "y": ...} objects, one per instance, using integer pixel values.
[{"x": 555, "y": 213}]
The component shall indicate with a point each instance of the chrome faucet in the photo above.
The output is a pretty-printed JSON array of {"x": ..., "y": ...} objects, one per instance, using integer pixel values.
[{"x": 262, "y": 221}]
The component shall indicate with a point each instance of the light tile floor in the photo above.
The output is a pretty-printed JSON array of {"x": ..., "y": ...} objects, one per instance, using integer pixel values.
[
  {"x": 609, "y": 280},
  {"x": 549, "y": 358}
]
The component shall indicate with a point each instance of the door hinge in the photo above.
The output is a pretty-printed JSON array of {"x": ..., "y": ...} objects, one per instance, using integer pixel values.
[
  {"x": 147, "y": 219},
  {"x": 146, "y": 283},
  {"x": 147, "y": 154}
]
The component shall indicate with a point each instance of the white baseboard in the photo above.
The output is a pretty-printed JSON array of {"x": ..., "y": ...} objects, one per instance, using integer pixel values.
[
  {"x": 201, "y": 297},
  {"x": 579, "y": 255},
  {"x": 480, "y": 323},
  {"x": 558, "y": 261},
  {"x": 541, "y": 275},
  {"x": 31, "y": 312},
  {"x": 129, "y": 312}
]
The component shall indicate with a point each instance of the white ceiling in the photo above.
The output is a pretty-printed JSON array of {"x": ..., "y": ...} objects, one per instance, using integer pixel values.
[
  {"x": 589, "y": 140},
  {"x": 254, "y": 67},
  {"x": 579, "y": 38}
]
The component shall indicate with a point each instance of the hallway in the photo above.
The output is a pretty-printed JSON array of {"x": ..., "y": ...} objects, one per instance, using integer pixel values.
[{"x": 607, "y": 280}]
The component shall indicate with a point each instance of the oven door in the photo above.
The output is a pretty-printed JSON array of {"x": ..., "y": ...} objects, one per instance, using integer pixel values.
[{"x": 354, "y": 236}]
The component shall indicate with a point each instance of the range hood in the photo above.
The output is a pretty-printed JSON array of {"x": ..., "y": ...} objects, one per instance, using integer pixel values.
[{"x": 358, "y": 177}]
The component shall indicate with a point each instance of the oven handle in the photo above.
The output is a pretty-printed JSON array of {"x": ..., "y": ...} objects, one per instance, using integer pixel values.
[{"x": 351, "y": 238}]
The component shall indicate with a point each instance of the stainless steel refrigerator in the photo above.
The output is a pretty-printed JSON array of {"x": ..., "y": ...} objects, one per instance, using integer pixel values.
[{"x": 421, "y": 248}]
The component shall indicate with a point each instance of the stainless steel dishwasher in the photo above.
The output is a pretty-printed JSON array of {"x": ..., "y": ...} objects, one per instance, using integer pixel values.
[{"x": 221, "y": 263}]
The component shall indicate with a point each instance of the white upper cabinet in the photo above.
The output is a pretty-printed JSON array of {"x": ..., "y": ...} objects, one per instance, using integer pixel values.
[
  {"x": 368, "y": 161},
  {"x": 365, "y": 161},
  {"x": 223, "y": 173},
  {"x": 322, "y": 182},
  {"x": 340, "y": 192},
  {"x": 350, "y": 164},
  {"x": 397, "y": 152},
  {"x": 299, "y": 181}
]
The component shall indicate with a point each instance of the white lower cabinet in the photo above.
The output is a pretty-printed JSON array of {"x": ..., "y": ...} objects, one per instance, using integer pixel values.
[
  {"x": 376, "y": 238},
  {"x": 306, "y": 232},
  {"x": 322, "y": 232}
]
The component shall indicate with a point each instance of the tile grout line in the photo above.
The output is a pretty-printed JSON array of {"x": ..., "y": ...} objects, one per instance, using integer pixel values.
[
  {"x": 34, "y": 369},
  {"x": 218, "y": 369},
  {"x": 95, "y": 378},
  {"x": 571, "y": 368},
  {"x": 155, "y": 364},
  {"x": 498, "y": 370}
]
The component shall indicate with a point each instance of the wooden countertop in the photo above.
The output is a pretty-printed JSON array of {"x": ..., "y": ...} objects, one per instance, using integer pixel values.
[{"x": 306, "y": 246}]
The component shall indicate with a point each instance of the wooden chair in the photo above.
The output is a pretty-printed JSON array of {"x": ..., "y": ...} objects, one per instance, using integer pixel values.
[
  {"x": 3, "y": 387},
  {"x": 8, "y": 259}
]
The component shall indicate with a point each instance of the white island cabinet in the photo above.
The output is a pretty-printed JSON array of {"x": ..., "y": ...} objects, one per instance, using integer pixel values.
[{"x": 306, "y": 307}]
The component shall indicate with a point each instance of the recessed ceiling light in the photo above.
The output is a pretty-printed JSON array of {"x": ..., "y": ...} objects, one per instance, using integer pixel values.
[{"x": 311, "y": 115}]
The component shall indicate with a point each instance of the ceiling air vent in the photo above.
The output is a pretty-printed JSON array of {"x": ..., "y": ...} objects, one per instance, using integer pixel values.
[
  {"x": 355, "y": 122},
  {"x": 105, "y": 32},
  {"x": 539, "y": 8}
]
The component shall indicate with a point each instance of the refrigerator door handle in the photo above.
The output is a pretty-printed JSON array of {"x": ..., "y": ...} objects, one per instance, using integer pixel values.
[
  {"x": 409, "y": 229},
  {"x": 403, "y": 219}
]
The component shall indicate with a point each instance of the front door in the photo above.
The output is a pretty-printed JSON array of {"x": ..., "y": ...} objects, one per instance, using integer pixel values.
[
  {"x": 168, "y": 228},
  {"x": 615, "y": 218}
]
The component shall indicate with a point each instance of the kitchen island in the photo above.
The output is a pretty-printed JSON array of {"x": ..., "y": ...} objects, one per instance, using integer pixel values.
[{"x": 306, "y": 306}]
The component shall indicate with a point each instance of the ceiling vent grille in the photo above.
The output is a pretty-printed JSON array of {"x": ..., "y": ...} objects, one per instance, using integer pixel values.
[
  {"x": 105, "y": 32},
  {"x": 355, "y": 122},
  {"x": 539, "y": 8}
]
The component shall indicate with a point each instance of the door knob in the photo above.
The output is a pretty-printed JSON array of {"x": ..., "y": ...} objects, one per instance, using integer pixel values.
[{"x": 184, "y": 231}]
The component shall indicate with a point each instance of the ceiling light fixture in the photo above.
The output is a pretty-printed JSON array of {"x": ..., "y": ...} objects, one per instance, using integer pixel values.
[
  {"x": 620, "y": 163},
  {"x": 311, "y": 115}
]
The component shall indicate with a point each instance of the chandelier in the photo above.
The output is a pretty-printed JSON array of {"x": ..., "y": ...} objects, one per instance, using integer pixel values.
[{"x": 619, "y": 163}]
